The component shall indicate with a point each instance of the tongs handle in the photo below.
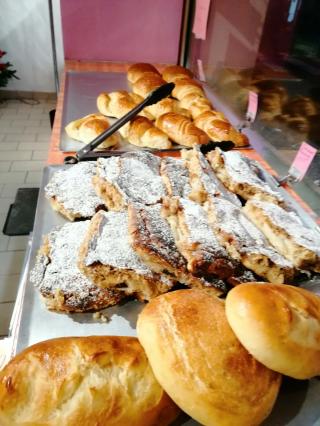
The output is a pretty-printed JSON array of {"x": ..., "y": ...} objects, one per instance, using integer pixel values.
[{"x": 154, "y": 97}]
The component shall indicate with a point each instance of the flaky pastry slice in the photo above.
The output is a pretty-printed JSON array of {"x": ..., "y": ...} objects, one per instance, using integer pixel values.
[
  {"x": 71, "y": 191},
  {"x": 134, "y": 176},
  {"x": 63, "y": 287},
  {"x": 198, "y": 243},
  {"x": 244, "y": 242},
  {"x": 286, "y": 233},
  {"x": 241, "y": 176},
  {"x": 175, "y": 177},
  {"x": 203, "y": 181},
  {"x": 152, "y": 239},
  {"x": 107, "y": 258}
]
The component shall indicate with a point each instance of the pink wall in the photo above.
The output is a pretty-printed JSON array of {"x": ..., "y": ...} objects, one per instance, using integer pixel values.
[{"x": 122, "y": 30}]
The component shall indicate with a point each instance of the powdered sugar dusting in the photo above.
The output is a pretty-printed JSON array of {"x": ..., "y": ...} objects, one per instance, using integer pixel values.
[
  {"x": 199, "y": 229},
  {"x": 135, "y": 175},
  {"x": 111, "y": 245},
  {"x": 245, "y": 234},
  {"x": 178, "y": 176},
  {"x": 242, "y": 170},
  {"x": 73, "y": 188},
  {"x": 59, "y": 272},
  {"x": 291, "y": 224}
]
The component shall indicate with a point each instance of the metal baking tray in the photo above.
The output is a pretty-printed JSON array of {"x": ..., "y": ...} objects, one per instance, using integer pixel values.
[
  {"x": 297, "y": 403},
  {"x": 80, "y": 99}
]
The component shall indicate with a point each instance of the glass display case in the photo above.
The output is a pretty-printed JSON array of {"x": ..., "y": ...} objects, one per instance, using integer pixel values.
[{"x": 271, "y": 47}]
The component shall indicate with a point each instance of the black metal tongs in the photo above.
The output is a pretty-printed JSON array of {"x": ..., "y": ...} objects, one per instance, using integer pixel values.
[{"x": 154, "y": 97}]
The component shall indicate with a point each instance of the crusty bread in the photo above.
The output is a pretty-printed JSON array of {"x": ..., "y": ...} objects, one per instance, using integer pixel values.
[
  {"x": 175, "y": 72},
  {"x": 181, "y": 130},
  {"x": 219, "y": 129},
  {"x": 284, "y": 230},
  {"x": 88, "y": 128},
  {"x": 142, "y": 132},
  {"x": 97, "y": 380},
  {"x": 136, "y": 71},
  {"x": 279, "y": 325},
  {"x": 148, "y": 82},
  {"x": 200, "y": 363}
]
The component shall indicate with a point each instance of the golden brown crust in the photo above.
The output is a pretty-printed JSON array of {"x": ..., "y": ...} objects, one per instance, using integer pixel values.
[
  {"x": 185, "y": 86},
  {"x": 109, "y": 194},
  {"x": 219, "y": 129},
  {"x": 83, "y": 381},
  {"x": 88, "y": 128},
  {"x": 175, "y": 72},
  {"x": 204, "y": 368},
  {"x": 181, "y": 130},
  {"x": 197, "y": 104},
  {"x": 143, "y": 133},
  {"x": 167, "y": 105},
  {"x": 279, "y": 325},
  {"x": 147, "y": 83},
  {"x": 136, "y": 71}
]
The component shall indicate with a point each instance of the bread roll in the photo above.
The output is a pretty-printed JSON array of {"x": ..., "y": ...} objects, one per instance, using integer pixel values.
[
  {"x": 117, "y": 104},
  {"x": 166, "y": 105},
  {"x": 200, "y": 363},
  {"x": 174, "y": 72},
  {"x": 136, "y": 71},
  {"x": 196, "y": 104},
  {"x": 181, "y": 130},
  {"x": 144, "y": 134},
  {"x": 185, "y": 86},
  {"x": 219, "y": 129},
  {"x": 279, "y": 325},
  {"x": 98, "y": 380},
  {"x": 147, "y": 83},
  {"x": 88, "y": 128}
]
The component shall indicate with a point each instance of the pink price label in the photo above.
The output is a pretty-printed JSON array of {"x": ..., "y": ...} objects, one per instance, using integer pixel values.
[
  {"x": 201, "y": 19},
  {"x": 302, "y": 161},
  {"x": 201, "y": 73},
  {"x": 252, "y": 106}
]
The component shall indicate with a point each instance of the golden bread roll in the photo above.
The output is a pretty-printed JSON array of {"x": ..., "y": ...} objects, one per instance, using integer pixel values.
[
  {"x": 197, "y": 104},
  {"x": 185, "y": 86},
  {"x": 117, "y": 104},
  {"x": 181, "y": 130},
  {"x": 279, "y": 325},
  {"x": 200, "y": 363},
  {"x": 143, "y": 133},
  {"x": 174, "y": 72},
  {"x": 147, "y": 83},
  {"x": 97, "y": 380},
  {"x": 136, "y": 71},
  {"x": 219, "y": 129},
  {"x": 88, "y": 128},
  {"x": 166, "y": 105}
]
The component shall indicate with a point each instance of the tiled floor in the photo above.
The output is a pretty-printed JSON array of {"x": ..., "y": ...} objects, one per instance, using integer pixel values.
[{"x": 24, "y": 142}]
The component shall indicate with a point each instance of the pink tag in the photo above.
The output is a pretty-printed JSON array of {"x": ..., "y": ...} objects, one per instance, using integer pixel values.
[
  {"x": 302, "y": 161},
  {"x": 201, "y": 19},
  {"x": 201, "y": 73},
  {"x": 252, "y": 106}
]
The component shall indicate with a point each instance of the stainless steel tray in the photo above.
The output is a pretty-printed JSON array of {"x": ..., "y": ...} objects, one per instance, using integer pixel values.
[{"x": 297, "y": 404}]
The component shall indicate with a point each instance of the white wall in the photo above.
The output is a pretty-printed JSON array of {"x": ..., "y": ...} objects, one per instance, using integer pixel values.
[{"x": 25, "y": 36}]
